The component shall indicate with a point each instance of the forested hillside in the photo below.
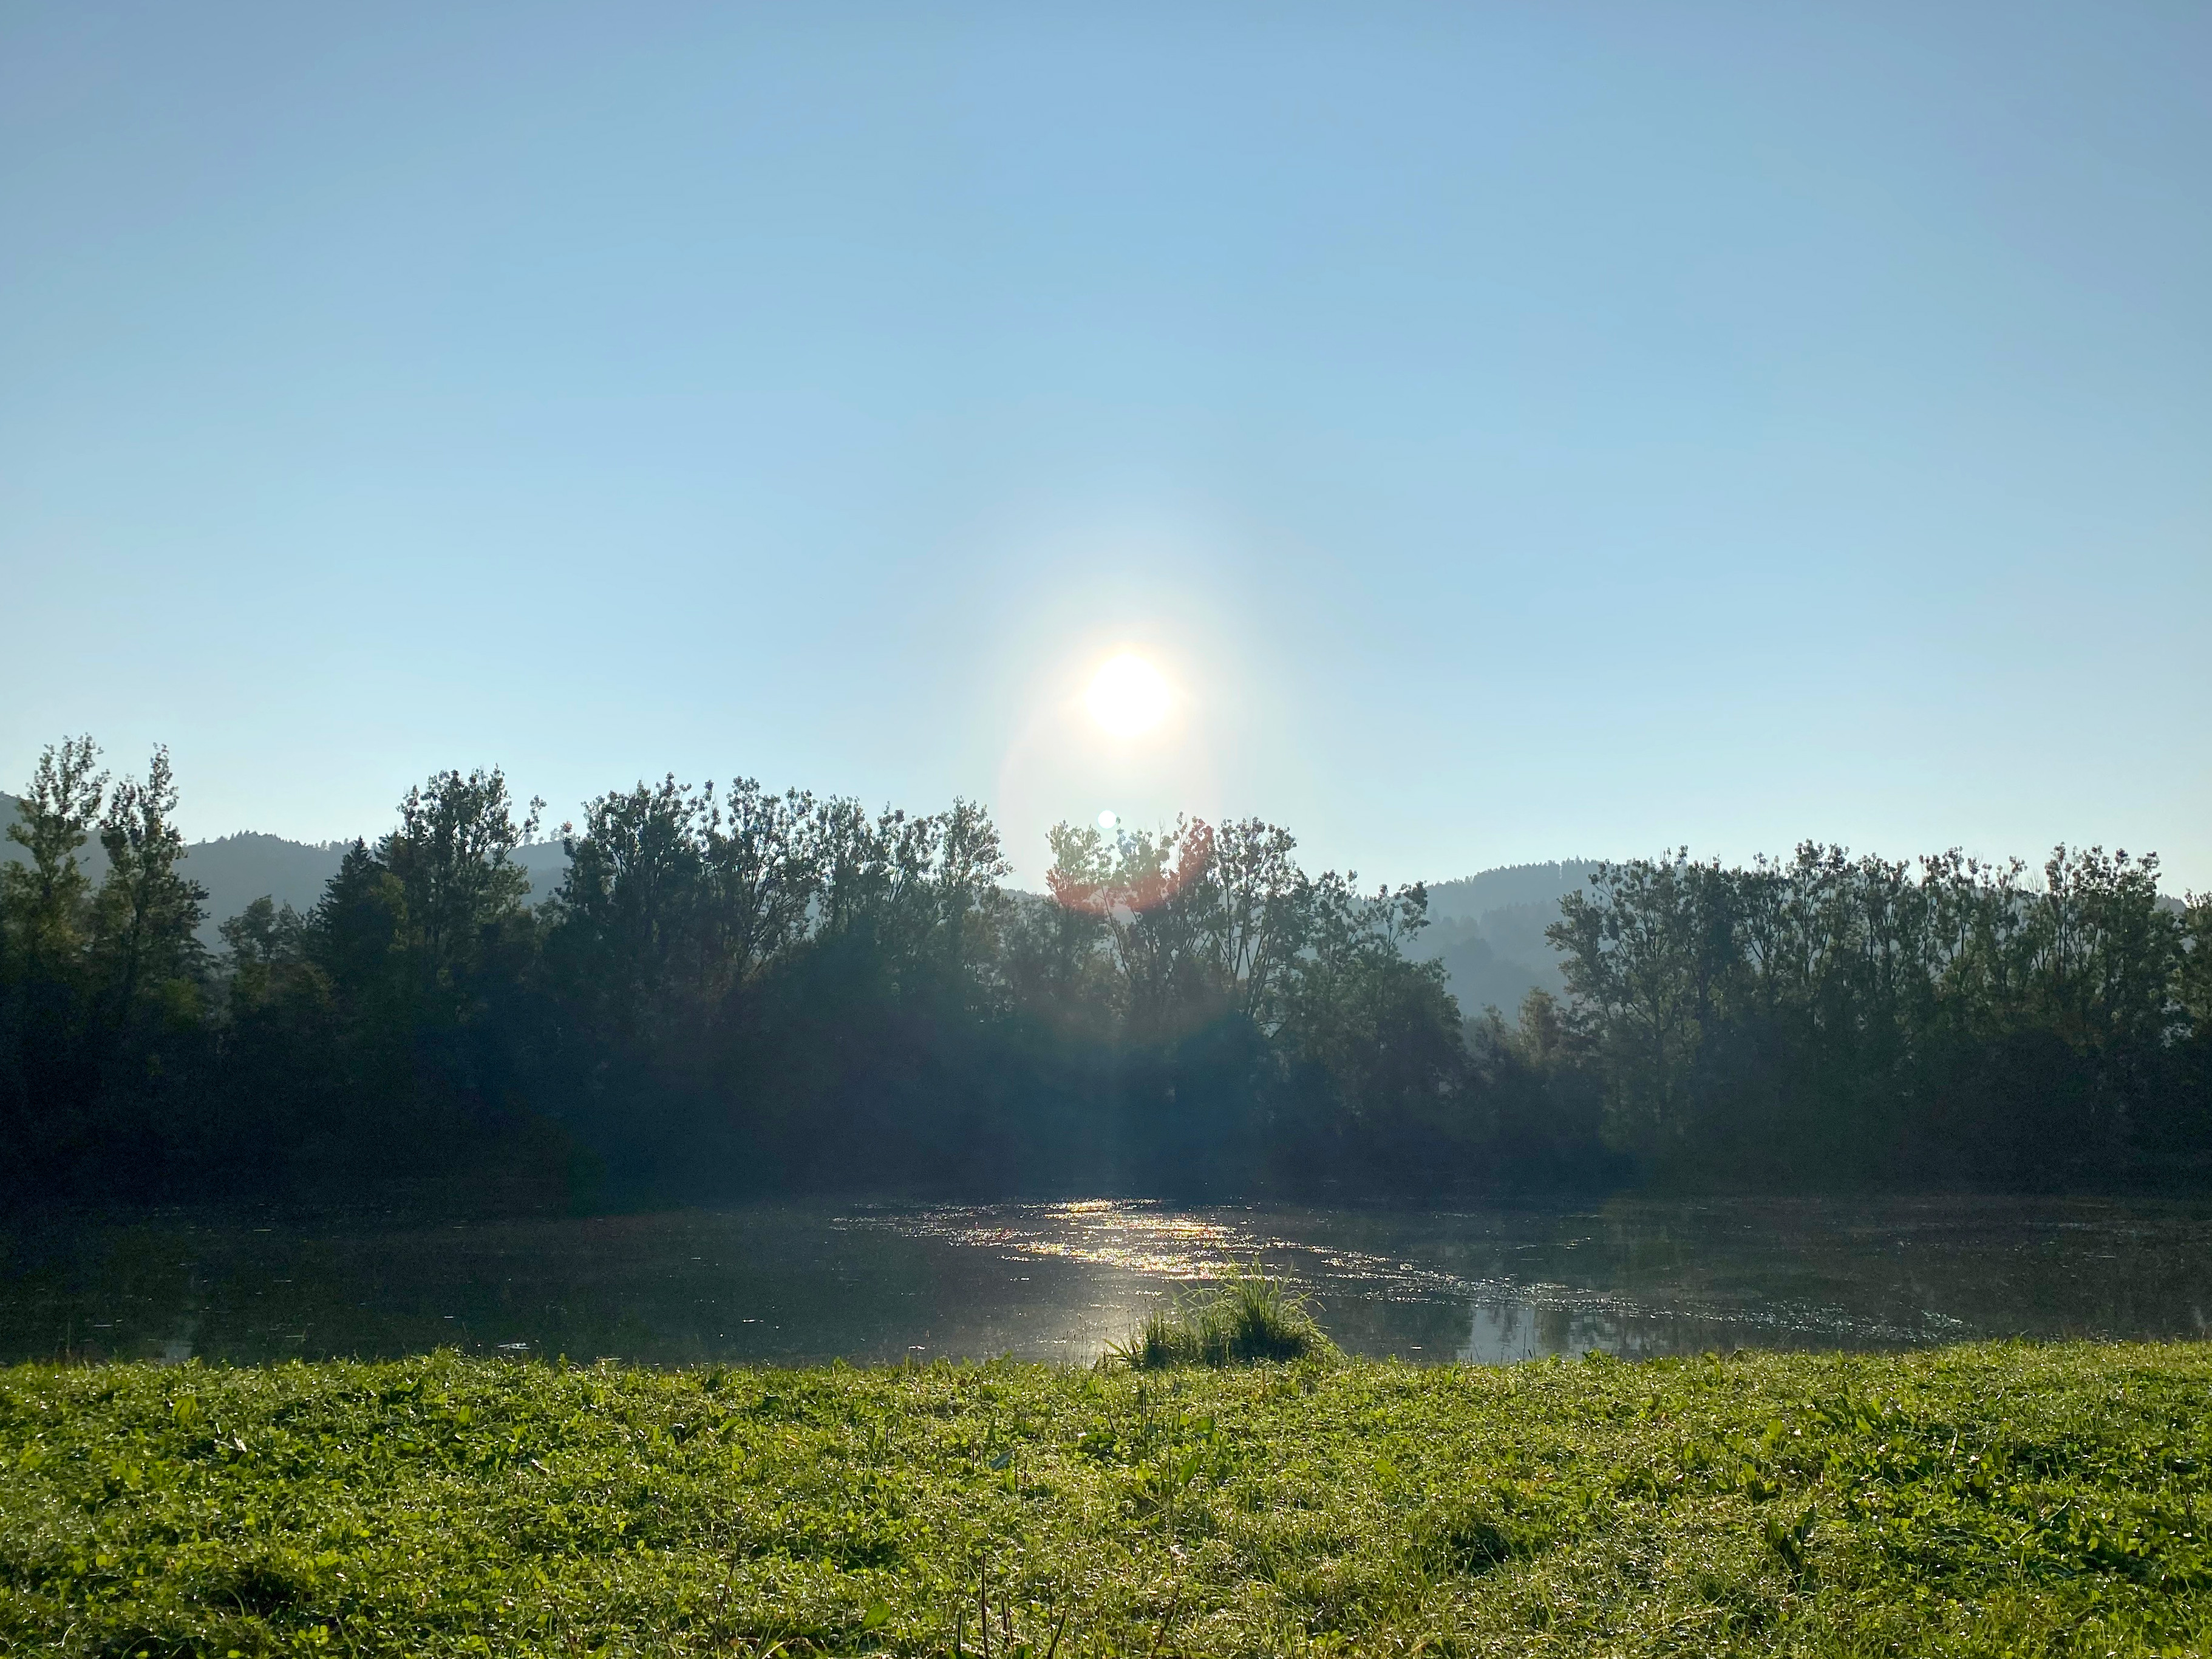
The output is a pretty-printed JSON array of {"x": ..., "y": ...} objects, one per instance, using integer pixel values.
[{"x": 1488, "y": 930}]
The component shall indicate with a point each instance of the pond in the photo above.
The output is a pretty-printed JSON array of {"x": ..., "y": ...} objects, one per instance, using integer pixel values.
[{"x": 794, "y": 1284}]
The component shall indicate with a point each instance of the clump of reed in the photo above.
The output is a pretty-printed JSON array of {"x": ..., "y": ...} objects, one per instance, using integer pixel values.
[{"x": 1243, "y": 1319}]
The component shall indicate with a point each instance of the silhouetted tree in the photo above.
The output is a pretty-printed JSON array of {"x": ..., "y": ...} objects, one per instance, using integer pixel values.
[{"x": 752, "y": 991}]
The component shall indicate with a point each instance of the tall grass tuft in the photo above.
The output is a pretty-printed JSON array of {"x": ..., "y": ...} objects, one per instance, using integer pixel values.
[{"x": 1244, "y": 1319}]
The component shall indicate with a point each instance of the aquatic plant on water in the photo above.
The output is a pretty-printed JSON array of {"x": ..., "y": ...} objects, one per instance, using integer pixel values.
[{"x": 1244, "y": 1318}]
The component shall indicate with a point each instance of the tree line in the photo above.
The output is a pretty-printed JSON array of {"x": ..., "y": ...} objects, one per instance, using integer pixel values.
[
  {"x": 1865, "y": 1021},
  {"x": 736, "y": 991}
]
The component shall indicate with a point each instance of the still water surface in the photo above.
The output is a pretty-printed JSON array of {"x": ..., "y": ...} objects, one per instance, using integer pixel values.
[{"x": 795, "y": 1284}]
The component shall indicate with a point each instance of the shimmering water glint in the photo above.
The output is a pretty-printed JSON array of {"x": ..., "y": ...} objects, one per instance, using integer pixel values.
[{"x": 791, "y": 1284}]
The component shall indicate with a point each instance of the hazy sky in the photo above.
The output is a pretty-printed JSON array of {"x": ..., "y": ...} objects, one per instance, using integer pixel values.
[{"x": 1514, "y": 431}]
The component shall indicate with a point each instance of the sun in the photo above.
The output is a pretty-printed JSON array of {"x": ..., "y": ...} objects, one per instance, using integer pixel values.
[{"x": 1127, "y": 695}]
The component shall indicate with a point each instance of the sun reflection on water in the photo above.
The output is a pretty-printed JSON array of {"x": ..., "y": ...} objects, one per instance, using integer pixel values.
[{"x": 1505, "y": 1314}]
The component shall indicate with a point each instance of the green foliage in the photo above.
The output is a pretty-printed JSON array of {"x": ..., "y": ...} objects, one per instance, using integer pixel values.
[
  {"x": 1864, "y": 1020},
  {"x": 457, "y": 884},
  {"x": 44, "y": 903},
  {"x": 102, "y": 1020},
  {"x": 737, "y": 991},
  {"x": 265, "y": 940},
  {"x": 146, "y": 912},
  {"x": 1991, "y": 1500},
  {"x": 1243, "y": 1319}
]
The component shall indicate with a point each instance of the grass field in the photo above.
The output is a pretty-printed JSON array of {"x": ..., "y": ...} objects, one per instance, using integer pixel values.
[{"x": 1991, "y": 1499}]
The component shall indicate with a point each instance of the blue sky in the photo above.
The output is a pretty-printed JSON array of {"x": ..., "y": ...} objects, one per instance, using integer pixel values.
[{"x": 1515, "y": 431}]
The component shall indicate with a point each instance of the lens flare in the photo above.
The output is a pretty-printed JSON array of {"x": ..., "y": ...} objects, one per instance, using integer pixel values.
[{"x": 1128, "y": 696}]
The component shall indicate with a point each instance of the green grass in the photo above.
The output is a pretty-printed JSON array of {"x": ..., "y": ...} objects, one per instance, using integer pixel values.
[
  {"x": 1244, "y": 1319},
  {"x": 1995, "y": 1499}
]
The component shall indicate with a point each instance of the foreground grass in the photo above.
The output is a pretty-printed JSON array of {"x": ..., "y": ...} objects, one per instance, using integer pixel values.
[{"x": 1997, "y": 1499}]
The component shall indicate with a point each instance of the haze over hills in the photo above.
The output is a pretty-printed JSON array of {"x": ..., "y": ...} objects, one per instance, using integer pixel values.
[
  {"x": 1487, "y": 929},
  {"x": 236, "y": 870}
]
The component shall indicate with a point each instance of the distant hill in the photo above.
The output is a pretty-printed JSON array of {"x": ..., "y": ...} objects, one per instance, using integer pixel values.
[
  {"x": 236, "y": 870},
  {"x": 1470, "y": 898},
  {"x": 1488, "y": 931}
]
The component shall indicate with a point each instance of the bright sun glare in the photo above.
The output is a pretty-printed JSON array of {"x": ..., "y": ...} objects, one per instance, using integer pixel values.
[{"x": 1127, "y": 695}]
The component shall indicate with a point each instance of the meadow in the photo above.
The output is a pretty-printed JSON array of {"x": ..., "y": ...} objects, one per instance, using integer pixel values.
[{"x": 2006, "y": 1498}]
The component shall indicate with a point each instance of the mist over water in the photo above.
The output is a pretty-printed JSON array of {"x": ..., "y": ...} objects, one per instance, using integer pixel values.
[{"x": 791, "y": 1285}]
